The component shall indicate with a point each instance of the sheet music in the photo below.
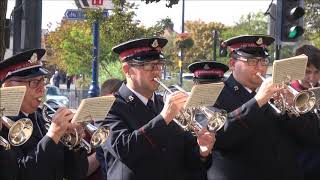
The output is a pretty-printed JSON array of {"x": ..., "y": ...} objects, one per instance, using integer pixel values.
[
  {"x": 94, "y": 109},
  {"x": 286, "y": 70},
  {"x": 204, "y": 94},
  {"x": 11, "y": 99}
]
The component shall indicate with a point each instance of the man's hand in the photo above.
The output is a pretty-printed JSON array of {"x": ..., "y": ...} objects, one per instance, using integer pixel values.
[
  {"x": 174, "y": 104},
  {"x": 205, "y": 141},
  {"x": 266, "y": 91},
  {"x": 60, "y": 123}
]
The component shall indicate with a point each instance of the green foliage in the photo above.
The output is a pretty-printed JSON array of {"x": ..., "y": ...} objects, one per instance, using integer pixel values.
[
  {"x": 312, "y": 19},
  {"x": 169, "y": 4},
  {"x": 70, "y": 45}
]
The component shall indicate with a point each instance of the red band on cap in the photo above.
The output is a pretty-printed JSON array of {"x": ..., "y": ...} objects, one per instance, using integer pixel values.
[
  {"x": 244, "y": 45},
  {"x": 18, "y": 67},
  {"x": 214, "y": 72},
  {"x": 134, "y": 51}
]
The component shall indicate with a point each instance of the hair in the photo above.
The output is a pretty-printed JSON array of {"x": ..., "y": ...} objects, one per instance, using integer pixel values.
[
  {"x": 110, "y": 86},
  {"x": 313, "y": 54}
]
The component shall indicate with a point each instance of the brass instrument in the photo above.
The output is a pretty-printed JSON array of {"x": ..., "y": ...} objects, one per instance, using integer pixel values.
[
  {"x": 19, "y": 131},
  {"x": 187, "y": 119},
  {"x": 71, "y": 140},
  {"x": 4, "y": 143},
  {"x": 303, "y": 101}
]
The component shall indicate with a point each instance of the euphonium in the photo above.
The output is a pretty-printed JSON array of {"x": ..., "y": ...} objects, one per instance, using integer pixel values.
[
  {"x": 187, "y": 119},
  {"x": 19, "y": 131},
  {"x": 303, "y": 101}
]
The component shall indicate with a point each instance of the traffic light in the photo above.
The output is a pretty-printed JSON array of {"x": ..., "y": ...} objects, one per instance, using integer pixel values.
[{"x": 291, "y": 20}]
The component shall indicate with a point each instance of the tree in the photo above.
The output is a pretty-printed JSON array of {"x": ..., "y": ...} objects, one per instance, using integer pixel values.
[
  {"x": 202, "y": 36},
  {"x": 312, "y": 19},
  {"x": 3, "y": 11},
  {"x": 169, "y": 4},
  {"x": 70, "y": 45}
]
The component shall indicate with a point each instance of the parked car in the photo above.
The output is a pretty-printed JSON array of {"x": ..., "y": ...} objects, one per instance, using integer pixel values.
[{"x": 54, "y": 93}]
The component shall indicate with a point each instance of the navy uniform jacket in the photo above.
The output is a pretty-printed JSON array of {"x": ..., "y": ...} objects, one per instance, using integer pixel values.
[
  {"x": 40, "y": 158},
  {"x": 256, "y": 143},
  {"x": 141, "y": 146},
  {"x": 8, "y": 164}
]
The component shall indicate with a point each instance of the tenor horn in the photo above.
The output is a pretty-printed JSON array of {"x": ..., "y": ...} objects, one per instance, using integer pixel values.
[
  {"x": 4, "y": 143},
  {"x": 19, "y": 131},
  {"x": 187, "y": 119},
  {"x": 71, "y": 140},
  {"x": 303, "y": 101}
]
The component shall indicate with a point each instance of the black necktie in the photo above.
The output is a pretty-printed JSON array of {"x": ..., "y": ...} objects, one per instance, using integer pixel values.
[
  {"x": 253, "y": 93},
  {"x": 150, "y": 106}
]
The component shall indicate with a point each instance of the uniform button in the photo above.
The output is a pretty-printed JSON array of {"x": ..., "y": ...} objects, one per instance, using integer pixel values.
[{"x": 164, "y": 149}]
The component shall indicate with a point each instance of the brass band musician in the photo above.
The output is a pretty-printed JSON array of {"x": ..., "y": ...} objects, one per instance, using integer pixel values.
[
  {"x": 42, "y": 156},
  {"x": 144, "y": 141},
  {"x": 309, "y": 158},
  {"x": 256, "y": 142}
]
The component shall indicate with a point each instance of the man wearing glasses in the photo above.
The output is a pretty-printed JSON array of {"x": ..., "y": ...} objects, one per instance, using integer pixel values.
[
  {"x": 256, "y": 142},
  {"x": 144, "y": 143},
  {"x": 42, "y": 156}
]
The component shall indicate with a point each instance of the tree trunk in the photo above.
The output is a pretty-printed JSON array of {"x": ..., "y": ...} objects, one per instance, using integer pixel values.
[{"x": 3, "y": 11}]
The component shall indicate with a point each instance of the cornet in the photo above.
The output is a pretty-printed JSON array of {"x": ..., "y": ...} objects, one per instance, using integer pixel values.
[
  {"x": 187, "y": 119},
  {"x": 303, "y": 101},
  {"x": 19, "y": 131},
  {"x": 71, "y": 140}
]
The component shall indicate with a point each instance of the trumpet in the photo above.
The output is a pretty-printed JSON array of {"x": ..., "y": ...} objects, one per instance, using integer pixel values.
[
  {"x": 187, "y": 119},
  {"x": 71, "y": 140},
  {"x": 19, "y": 131},
  {"x": 303, "y": 101}
]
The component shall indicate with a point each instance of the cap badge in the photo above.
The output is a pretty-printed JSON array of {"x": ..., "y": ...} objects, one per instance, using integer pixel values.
[
  {"x": 155, "y": 43},
  {"x": 236, "y": 88},
  {"x": 130, "y": 98},
  {"x": 206, "y": 67},
  {"x": 259, "y": 41},
  {"x": 33, "y": 59}
]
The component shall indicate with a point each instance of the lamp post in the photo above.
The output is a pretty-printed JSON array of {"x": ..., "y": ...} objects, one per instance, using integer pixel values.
[
  {"x": 94, "y": 89},
  {"x": 182, "y": 51}
]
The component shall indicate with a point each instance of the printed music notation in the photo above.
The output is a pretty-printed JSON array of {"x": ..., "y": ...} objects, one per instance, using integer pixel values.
[
  {"x": 286, "y": 70},
  {"x": 204, "y": 95},
  {"x": 94, "y": 109},
  {"x": 11, "y": 99}
]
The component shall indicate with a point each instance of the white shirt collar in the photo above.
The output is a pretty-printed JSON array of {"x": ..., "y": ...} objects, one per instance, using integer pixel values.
[
  {"x": 141, "y": 97},
  {"x": 248, "y": 89},
  {"x": 26, "y": 114}
]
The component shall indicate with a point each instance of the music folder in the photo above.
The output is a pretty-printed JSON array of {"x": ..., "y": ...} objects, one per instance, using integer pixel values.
[
  {"x": 204, "y": 94},
  {"x": 286, "y": 70},
  {"x": 11, "y": 99},
  {"x": 93, "y": 109}
]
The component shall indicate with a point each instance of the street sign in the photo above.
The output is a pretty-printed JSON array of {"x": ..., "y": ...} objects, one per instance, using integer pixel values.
[
  {"x": 78, "y": 14},
  {"x": 74, "y": 14}
]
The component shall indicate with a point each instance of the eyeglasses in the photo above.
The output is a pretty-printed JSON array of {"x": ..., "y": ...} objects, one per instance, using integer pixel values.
[
  {"x": 34, "y": 83},
  {"x": 149, "y": 66},
  {"x": 255, "y": 61}
]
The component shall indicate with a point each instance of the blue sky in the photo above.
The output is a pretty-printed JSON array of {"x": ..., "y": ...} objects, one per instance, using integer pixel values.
[{"x": 226, "y": 12}]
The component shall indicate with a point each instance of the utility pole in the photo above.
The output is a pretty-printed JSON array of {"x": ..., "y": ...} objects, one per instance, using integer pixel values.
[
  {"x": 17, "y": 16},
  {"x": 215, "y": 41},
  {"x": 31, "y": 24},
  {"x": 181, "y": 50}
]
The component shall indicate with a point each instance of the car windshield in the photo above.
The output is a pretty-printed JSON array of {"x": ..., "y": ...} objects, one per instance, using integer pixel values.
[{"x": 53, "y": 91}]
